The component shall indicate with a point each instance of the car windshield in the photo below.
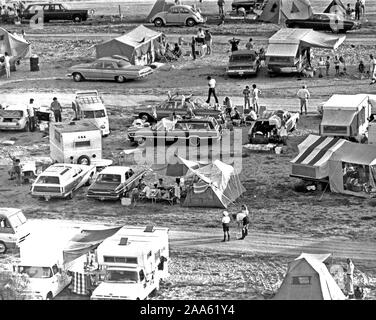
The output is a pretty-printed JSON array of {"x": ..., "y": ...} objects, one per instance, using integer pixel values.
[
  {"x": 17, "y": 219},
  {"x": 122, "y": 276},
  {"x": 36, "y": 272},
  {"x": 91, "y": 114},
  {"x": 115, "y": 178},
  {"x": 11, "y": 114},
  {"x": 243, "y": 58},
  {"x": 48, "y": 180}
]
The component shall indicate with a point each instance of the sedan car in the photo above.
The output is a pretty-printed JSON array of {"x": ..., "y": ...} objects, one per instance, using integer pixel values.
[
  {"x": 108, "y": 68},
  {"x": 243, "y": 63},
  {"x": 190, "y": 130},
  {"x": 112, "y": 182},
  {"x": 324, "y": 22},
  {"x": 14, "y": 118},
  {"x": 178, "y": 15}
]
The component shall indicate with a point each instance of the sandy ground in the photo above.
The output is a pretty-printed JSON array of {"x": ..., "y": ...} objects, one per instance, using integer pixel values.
[{"x": 199, "y": 270}]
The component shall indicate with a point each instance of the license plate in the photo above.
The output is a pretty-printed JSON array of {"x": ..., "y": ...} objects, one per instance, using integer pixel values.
[
  {"x": 102, "y": 199},
  {"x": 241, "y": 72}
]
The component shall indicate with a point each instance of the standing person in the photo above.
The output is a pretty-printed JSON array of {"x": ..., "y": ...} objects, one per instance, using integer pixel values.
[
  {"x": 327, "y": 65},
  {"x": 363, "y": 8},
  {"x": 321, "y": 66},
  {"x": 234, "y": 44},
  {"x": 372, "y": 69},
  {"x": 56, "y": 109},
  {"x": 208, "y": 41},
  {"x": 336, "y": 65},
  {"x": 247, "y": 100},
  {"x": 357, "y": 9},
  {"x": 249, "y": 44},
  {"x": 211, "y": 84},
  {"x": 7, "y": 64},
  {"x": 193, "y": 47},
  {"x": 343, "y": 62},
  {"x": 200, "y": 36},
  {"x": 226, "y": 226},
  {"x": 350, "y": 278},
  {"x": 303, "y": 95},
  {"x": 30, "y": 110},
  {"x": 177, "y": 190},
  {"x": 245, "y": 221},
  {"x": 16, "y": 170},
  {"x": 255, "y": 98},
  {"x": 221, "y": 4}
]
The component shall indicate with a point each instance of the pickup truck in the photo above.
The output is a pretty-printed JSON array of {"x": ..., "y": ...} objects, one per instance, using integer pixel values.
[{"x": 53, "y": 11}]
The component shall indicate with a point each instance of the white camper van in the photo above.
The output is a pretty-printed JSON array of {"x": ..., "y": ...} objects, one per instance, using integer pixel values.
[
  {"x": 135, "y": 260},
  {"x": 75, "y": 142},
  {"x": 14, "y": 228},
  {"x": 346, "y": 116},
  {"x": 89, "y": 105}
]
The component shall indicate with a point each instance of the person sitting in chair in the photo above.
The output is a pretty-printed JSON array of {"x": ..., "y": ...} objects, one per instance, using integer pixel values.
[
  {"x": 236, "y": 115},
  {"x": 177, "y": 51}
]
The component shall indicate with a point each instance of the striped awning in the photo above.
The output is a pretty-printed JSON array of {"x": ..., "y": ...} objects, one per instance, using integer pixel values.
[{"x": 314, "y": 153}]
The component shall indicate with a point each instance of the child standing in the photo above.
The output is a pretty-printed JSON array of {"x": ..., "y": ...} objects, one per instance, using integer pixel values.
[
  {"x": 247, "y": 100},
  {"x": 327, "y": 65}
]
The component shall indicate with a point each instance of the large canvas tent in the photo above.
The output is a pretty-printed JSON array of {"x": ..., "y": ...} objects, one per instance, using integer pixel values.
[
  {"x": 217, "y": 185},
  {"x": 312, "y": 161},
  {"x": 337, "y": 7},
  {"x": 277, "y": 11},
  {"x": 15, "y": 45},
  {"x": 352, "y": 170},
  {"x": 308, "y": 278},
  {"x": 139, "y": 46}
]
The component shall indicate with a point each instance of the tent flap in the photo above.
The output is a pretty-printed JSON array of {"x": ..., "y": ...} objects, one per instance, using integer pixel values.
[
  {"x": 322, "y": 40},
  {"x": 277, "y": 11}
]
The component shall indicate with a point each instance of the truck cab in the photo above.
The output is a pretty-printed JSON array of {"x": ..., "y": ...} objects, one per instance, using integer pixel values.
[
  {"x": 14, "y": 228},
  {"x": 89, "y": 105},
  {"x": 135, "y": 260}
]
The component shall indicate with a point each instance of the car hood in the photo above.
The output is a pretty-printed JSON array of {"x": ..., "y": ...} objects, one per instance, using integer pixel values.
[
  {"x": 103, "y": 186},
  {"x": 118, "y": 289}
]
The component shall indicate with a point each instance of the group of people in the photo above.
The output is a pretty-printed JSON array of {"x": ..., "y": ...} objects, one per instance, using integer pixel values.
[
  {"x": 242, "y": 219},
  {"x": 12, "y": 10},
  {"x": 359, "y": 9}
]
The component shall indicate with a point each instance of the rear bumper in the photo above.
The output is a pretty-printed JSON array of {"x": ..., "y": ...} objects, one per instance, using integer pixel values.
[
  {"x": 49, "y": 195},
  {"x": 241, "y": 72},
  {"x": 103, "y": 196},
  {"x": 278, "y": 69}
]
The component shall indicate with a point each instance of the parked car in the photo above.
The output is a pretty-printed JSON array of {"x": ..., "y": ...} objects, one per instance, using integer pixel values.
[
  {"x": 243, "y": 63},
  {"x": 175, "y": 104},
  {"x": 247, "y": 5},
  {"x": 193, "y": 130},
  {"x": 324, "y": 22},
  {"x": 62, "y": 180},
  {"x": 268, "y": 127},
  {"x": 178, "y": 15},
  {"x": 14, "y": 228},
  {"x": 14, "y": 118},
  {"x": 112, "y": 182},
  {"x": 108, "y": 68},
  {"x": 54, "y": 11}
]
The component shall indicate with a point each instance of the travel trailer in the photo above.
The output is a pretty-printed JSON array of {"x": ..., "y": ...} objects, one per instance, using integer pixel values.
[
  {"x": 89, "y": 105},
  {"x": 14, "y": 228},
  {"x": 75, "y": 142},
  {"x": 346, "y": 116},
  {"x": 135, "y": 260}
]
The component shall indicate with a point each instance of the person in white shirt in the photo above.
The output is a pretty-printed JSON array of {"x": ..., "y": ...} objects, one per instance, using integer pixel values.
[
  {"x": 30, "y": 110},
  {"x": 350, "y": 278},
  {"x": 7, "y": 64},
  {"x": 226, "y": 226},
  {"x": 303, "y": 95},
  {"x": 372, "y": 69},
  {"x": 211, "y": 84},
  {"x": 200, "y": 36},
  {"x": 255, "y": 98}
]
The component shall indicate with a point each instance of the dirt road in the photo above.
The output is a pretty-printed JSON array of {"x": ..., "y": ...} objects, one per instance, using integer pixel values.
[{"x": 255, "y": 243}]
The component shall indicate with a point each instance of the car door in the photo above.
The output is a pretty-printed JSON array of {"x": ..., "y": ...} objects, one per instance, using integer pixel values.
[
  {"x": 49, "y": 12},
  {"x": 184, "y": 15},
  {"x": 94, "y": 71},
  {"x": 110, "y": 70},
  {"x": 173, "y": 16}
]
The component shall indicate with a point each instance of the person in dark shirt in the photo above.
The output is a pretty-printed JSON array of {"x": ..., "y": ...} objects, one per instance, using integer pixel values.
[{"x": 234, "y": 44}]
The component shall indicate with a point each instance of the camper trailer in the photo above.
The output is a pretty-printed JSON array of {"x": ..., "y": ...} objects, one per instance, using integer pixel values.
[
  {"x": 75, "y": 142},
  {"x": 89, "y": 105},
  {"x": 346, "y": 116},
  {"x": 135, "y": 260}
]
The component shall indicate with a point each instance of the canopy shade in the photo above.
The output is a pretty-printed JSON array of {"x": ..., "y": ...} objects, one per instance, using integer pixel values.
[{"x": 287, "y": 50}]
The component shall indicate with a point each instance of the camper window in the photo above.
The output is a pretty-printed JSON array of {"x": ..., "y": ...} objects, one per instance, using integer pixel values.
[
  {"x": 80, "y": 144},
  {"x": 130, "y": 260},
  {"x": 301, "y": 280}
]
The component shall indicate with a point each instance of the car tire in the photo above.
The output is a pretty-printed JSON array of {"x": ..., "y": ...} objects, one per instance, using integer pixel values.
[
  {"x": 77, "y": 77},
  {"x": 26, "y": 128},
  {"x": 190, "y": 22},
  {"x": 158, "y": 22},
  {"x": 49, "y": 296},
  {"x": 120, "y": 79},
  {"x": 77, "y": 19},
  {"x": 90, "y": 180},
  {"x": 70, "y": 196},
  {"x": 141, "y": 141},
  {"x": 3, "y": 248},
  {"x": 194, "y": 141},
  {"x": 83, "y": 160}
]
